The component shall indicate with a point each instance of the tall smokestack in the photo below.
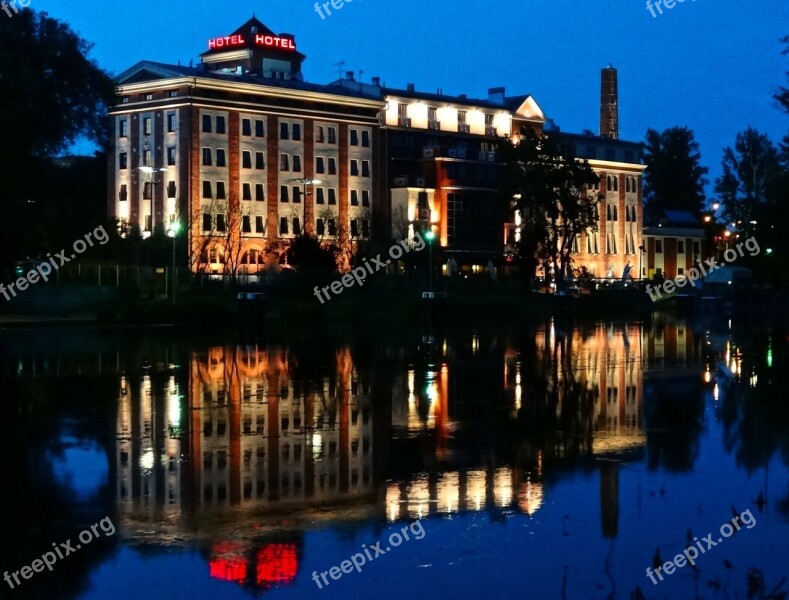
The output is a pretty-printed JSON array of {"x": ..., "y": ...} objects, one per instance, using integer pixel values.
[{"x": 609, "y": 103}]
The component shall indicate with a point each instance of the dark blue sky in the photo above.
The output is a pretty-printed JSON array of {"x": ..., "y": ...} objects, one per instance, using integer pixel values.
[{"x": 712, "y": 65}]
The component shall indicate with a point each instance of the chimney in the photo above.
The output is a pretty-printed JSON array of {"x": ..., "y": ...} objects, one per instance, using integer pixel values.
[
  {"x": 377, "y": 81},
  {"x": 609, "y": 103},
  {"x": 410, "y": 87},
  {"x": 496, "y": 95},
  {"x": 349, "y": 75}
]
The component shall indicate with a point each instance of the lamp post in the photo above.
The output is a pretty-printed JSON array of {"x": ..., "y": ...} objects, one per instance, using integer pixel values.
[
  {"x": 641, "y": 250},
  {"x": 151, "y": 171},
  {"x": 430, "y": 236},
  {"x": 305, "y": 181},
  {"x": 172, "y": 232}
]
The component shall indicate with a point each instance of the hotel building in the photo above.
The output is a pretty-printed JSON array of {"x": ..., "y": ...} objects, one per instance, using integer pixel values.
[{"x": 231, "y": 150}]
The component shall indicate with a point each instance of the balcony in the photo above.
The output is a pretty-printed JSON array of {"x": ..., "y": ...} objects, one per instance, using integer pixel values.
[
  {"x": 464, "y": 128},
  {"x": 435, "y": 125},
  {"x": 490, "y": 131},
  {"x": 404, "y": 121}
]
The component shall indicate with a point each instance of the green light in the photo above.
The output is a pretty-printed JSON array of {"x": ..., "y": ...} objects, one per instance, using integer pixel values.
[{"x": 430, "y": 236}]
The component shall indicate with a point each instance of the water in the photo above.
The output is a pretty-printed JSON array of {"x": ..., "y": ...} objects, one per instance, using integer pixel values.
[{"x": 546, "y": 461}]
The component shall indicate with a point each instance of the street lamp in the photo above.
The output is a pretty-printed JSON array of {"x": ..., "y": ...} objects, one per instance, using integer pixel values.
[
  {"x": 304, "y": 181},
  {"x": 430, "y": 236},
  {"x": 151, "y": 171},
  {"x": 640, "y": 262},
  {"x": 172, "y": 232}
]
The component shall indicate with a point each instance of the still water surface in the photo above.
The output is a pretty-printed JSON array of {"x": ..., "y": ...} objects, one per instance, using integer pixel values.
[{"x": 551, "y": 461}]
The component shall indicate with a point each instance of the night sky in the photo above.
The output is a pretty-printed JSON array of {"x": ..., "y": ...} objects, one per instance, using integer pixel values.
[{"x": 711, "y": 65}]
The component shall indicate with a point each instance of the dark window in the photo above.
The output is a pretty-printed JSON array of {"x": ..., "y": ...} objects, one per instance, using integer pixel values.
[
  {"x": 296, "y": 131},
  {"x": 332, "y": 196},
  {"x": 296, "y": 226},
  {"x": 260, "y": 193},
  {"x": 354, "y": 228},
  {"x": 296, "y": 163},
  {"x": 659, "y": 246},
  {"x": 332, "y": 166},
  {"x": 246, "y": 127},
  {"x": 220, "y": 190},
  {"x": 246, "y": 224},
  {"x": 354, "y": 137},
  {"x": 171, "y": 122},
  {"x": 146, "y": 158},
  {"x": 365, "y": 198},
  {"x": 259, "y": 131},
  {"x": 283, "y": 131},
  {"x": 319, "y": 196},
  {"x": 319, "y": 135},
  {"x": 146, "y": 190},
  {"x": 680, "y": 247},
  {"x": 207, "y": 157},
  {"x": 123, "y": 160},
  {"x": 365, "y": 168},
  {"x": 283, "y": 162},
  {"x": 283, "y": 225},
  {"x": 319, "y": 227},
  {"x": 220, "y": 125},
  {"x": 283, "y": 193},
  {"x": 206, "y": 222},
  {"x": 332, "y": 135},
  {"x": 471, "y": 220},
  {"x": 171, "y": 155},
  {"x": 319, "y": 165},
  {"x": 332, "y": 227},
  {"x": 220, "y": 222},
  {"x": 354, "y": 198},
  {"x": 366, "y": 228},
  {"x": 146, "y": 126},
  {"x": 246, "y": 159},
  {"x": 259, "y": 162},
  {"x": 123, "y": 194},
  {"x": 206, "y": 123},
  {"x": 220, "y": 157},
  {"x": 365, "y": 138},
  {"x": 122, "y": 128},
  {"x": 296, "y": 193},
  {"x": 354, "y": 167},
  {"x": 259, "y": 225},
  {"x": 207, "y": 190},
  {"x": 246, "y": 191},
  {"x": 171, "y": 189}
]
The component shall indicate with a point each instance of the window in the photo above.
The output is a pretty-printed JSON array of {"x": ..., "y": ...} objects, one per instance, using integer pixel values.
[
  {"x": 297, "y": 132},
  {"x": 680, "y": 247},
  {"x": 259, "y": 131},
  {"x": 365, "y": 198},
  {"x": 402, "y": 110},
  {"x": 246, "y": 224},
  {"x": 283, "y": 162},
  {"x": 172, "y": 94},
  {"x": 611, "y": 212},
  {"x": 431, "y": 113},
  {"x": 332, "y": 135},
  {"x": 659, "y": 246},
  {"x": 296, "y": 226},
  {"x": 332, "y": 227},
  {"x": 259, "y": 225},
  {"x": 146, "y": 158},
  {"x": 319, "y": 227},
  {"x": 319, "y": 196},
  {"x": 332, "y": 166},
  {"x": 259, "y": 162},
  {"x": 488, "y": 120},
  {"x": 171, "y": 189},
  {"x": 319, "y": 132},
  {"x": 332, "y": 196},
  {"x": 611, "y": 243},
  {"x": 354, "y": 198},
  {"x": 365, "y": 168},
  {"x": 206, "y": 123},
  {"x": 592, "y": 243},
  {"x": 125, "y": 100},
  {"x": 206, "y": 222},
  {"x": 283, "y": 193},
  {"x": 283, "y": 226},
  {"x": 246, "y": 191},
  {"x": 220, "y": 157},
  {"x": 220, "y": 190},
  {"x": 220, "y": 222},
  {"x": 296, "y": 163},
  {"x": 354, "y": 137},
  {"x": 171, "y": 122},
  {"x": 319, "y": 165},
  {"x": 354, "y": 228},
  {"x": 123, "y": 160},
  {"x": 246, "y": 159},
  {"x": 206, "y": 157},
  {"x": 146, "y": 190},
  {"x": 296, "y": 193},
  {"x": 122, "y": 128},
  {"x": 283, "y": 131},
  {"x": 207, "y": 192},
  {"x": 146, "y": 126},
  {"x": 610, "y": 154},
  {"x": 366, "y": 228},
  {"x": 246, "y": 127},
  {"x": 354, "y": 167},
  {"x": 462, "y": 116},
  {"x": 123, "y": 194},
  {"x": 171, "y": 156},
  {"x": 260, "y": 192},
  {"x": 148, "y": 223},
  {"x": 220, "y": 125},
  {"x": 365, "y": 138}
]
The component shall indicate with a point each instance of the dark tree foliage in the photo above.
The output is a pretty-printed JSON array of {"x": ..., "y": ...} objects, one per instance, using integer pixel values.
[
  {"x": 306, "y": 253},
  {"x": 674, "y": 178}
]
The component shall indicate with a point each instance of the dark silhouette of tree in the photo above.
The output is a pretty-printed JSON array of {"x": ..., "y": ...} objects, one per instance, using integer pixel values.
[{"x": 674, "y": 178}]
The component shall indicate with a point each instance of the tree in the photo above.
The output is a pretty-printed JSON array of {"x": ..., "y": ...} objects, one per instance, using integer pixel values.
[
  {"x": 547, "y": 186},
  {"x": 749, "y": 186},
  {"x": 50, "y": 94},
  {"x": 674, "y": 178}
]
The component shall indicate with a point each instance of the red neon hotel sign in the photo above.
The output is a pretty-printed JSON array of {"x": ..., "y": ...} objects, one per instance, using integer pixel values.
[{"x": 268, "y": 41}]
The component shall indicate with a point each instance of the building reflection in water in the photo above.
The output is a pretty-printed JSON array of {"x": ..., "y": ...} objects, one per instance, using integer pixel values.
[{"x": 238, "y": 451}]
